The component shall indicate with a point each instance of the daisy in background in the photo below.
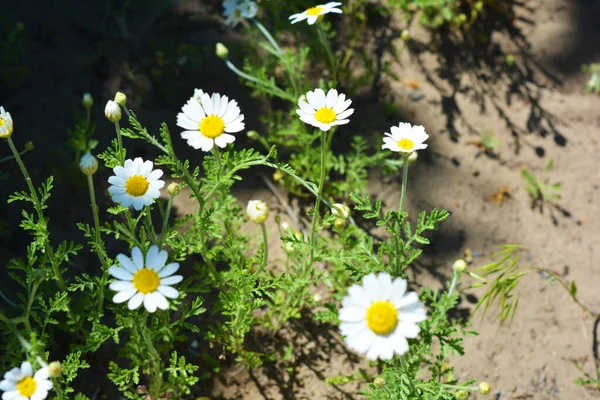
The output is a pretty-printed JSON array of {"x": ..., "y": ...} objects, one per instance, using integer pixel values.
[
  {"x": 313, "y": 13},
  {"x": 405, "y": 138},
  {"x": 146, "y": 282},
  {"x": 23, "y": 384},
  {"x": 325, "y": 110},
  {"x": 235, "y": 11},
  {"x": 257, "y": 211},
  {"x": 210, "y": 121},
  {"x": 379, "y": 316},
  {"x": 135, "y": 184},
  {"x": 6, "y": 124}
]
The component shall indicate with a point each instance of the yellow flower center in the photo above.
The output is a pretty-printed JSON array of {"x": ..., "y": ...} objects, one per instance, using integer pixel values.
[
  {"x": 2, "y": 123},
  {"x": 382, "y": 317},
  {"x": 314, "y": 11},
  {"x": 237, "y": 13},
  {"x": 146, "y": 280},
  {"x": 212, "y": 126},
  {"x": 26, "y": 387},
  {"x": 137, "y": 185},
  {"x": 325, "y": 115},
  {"x": 406, "y": 144}
]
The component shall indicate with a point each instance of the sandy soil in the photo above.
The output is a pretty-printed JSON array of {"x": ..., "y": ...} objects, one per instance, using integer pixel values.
[{"x": 537, "y": 110}]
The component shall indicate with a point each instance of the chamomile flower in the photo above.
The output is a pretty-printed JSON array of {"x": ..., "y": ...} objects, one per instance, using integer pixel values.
[
  {"x": 6, "y": 124},
  {"x": 235, "y": 11},
  {"x": 378, "y": 316},
  {"x": 405, "y": 138},
  {"x": 112, "y": 111},
  {"x": 88, "y": 164},
  {"x": 135, "y": 184},
  {"x": 147, "y": 282},
  {"x": 325, "y": 110},
  {"x": 257, "y": 211},
  {"x": 23, "y": 384},
  {"x": 312, "y": 14},
  {"x": 210, "y": 122}
]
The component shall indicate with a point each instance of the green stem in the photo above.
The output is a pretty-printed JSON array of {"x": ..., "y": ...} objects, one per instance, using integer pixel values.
[
  {"x": 397, "y": 246},
  {"x": 39, "y": 209},
  {"x": 149, "y": 226},
  {"x": 404, "y": 181},
  {"x": 277, "y": 91},
  {"x": 454, "y": 282},
  {"x": 154, "y": 356},
  {"x": 266, "y": 249},
  {"x": 313, "y": 227},
  {"x": 165, "y": 224},
  {"x": 99, "y": 249},
  {"x": 267, "y": 35},
  {"x": 120, "y": 141},
  {"x": 325, "y": 44},
  {"x": 217, "y": 154}
]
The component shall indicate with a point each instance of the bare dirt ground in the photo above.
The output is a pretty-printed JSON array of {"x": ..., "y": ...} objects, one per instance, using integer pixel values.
[{"x": 537, "y": 110}]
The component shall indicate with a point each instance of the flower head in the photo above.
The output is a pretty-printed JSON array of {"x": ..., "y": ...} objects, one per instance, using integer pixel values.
[
  {"x": 145, "y": 281},
  {"x": 312, "y": 14},
  {"x": 257, "y": 211},
  {"x": 88, "y": 164},
  {"x": 235, "y": 11},
  {"x": 6, "y": 124},
  {"x": 405, "y": 138},
  {"x": 112, "y": 111},
  {"x": 121, "y": 98},
  {"x": 484, "y": 388},
  {"x": 135, "y": 183},
  {"x": 325, "y": 110},
  {"x": 221, "y": 51},
  {"x": 340, "y": 210},
  {"x": 210, "y": 121},
  {"x": 22, "y": 384},
  {"x": 379, "y": 316}
]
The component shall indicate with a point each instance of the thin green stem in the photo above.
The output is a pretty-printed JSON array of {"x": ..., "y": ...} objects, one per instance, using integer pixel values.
[
  {"x": 267, "y": 35},
  {"x": 217, "y": 154},
  {"x": 276, "y": 91},
  {"x": 404, "y": 181},
  {"x": 454, "y": 282},
  {"x": 265, "y": 257},
  {"x": 397, "y": 245},
  {"x": 149, "y": 226},
  {"x": 325, "y": 44},
  {"x": 99, "y": 249},
  {"x": 120, "y": 142},
  {"x": 313, "y": 227},
  {"x": 165, "y": 222},
  {"x": 39, "y": 209},
  {"x": 154, "y": 356}
]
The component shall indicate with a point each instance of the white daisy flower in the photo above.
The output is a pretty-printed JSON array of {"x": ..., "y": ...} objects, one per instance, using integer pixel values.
[
  {"x": 88, "y": 164},
  {"x": 324, "y": 111},
  {"x": 135, "y": 184},
  {"x": 235, "y": 11},
  {"x": 379, "y": 316},
  {"x": 405, "y": 138},
  {"x": 313, "y": 13},
  {"x": 112, "y": 111},
  {"x": 210, "y": 122},
  {"x": 146, "y": 282},
  {"x": 6, "y": 124},
  {"x": 22, "y": 384},
  {"x": 257, "y": 211}
]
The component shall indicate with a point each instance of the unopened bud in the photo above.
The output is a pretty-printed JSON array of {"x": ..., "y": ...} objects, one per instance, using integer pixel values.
[
  {"x": 459, "y": 266},
  {"x": 412, "y": 158},
  {"x": 405, "y": 35},
  {"x": 340, "y": 210},
  {"x": 54, "y": 369},
  {"x": 112, "y": 111},
  {"x": 278, "y": 175},
  {"x": 88, "y": 164},
  {"x": 252, "y": 134},
  {"x": 174, "y": 189},
  {"x": 379, "y": 382},
  {"x": 141, "y": 389},
  {"x": 257, "y": 211},
  {"x": 461, "y": 395},
  {"x": 484, "y": 388},
  {"x": 339, "y": 223},
  {"x": 121, "y": 99},
  {"x": 29, "y": 145},
  {"x": 87, "y": 101},
  {"x": 222, "y": 51}
]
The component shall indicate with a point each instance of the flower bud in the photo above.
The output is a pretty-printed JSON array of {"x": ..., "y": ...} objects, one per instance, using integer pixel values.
[
  {"x": 174, "y": 189},
  {"x": 278, "y": 175},
  {"x": 252, "y": 134},
  {"x": 121, "y": 99},
  {"x": 88, "y": 164},
  {"x": 112, "y": 111},
  {"x": 221, "y": 51},
  {"x": 340, "y": 210},
  {"x": 339, "y": 223},
  {"x": 379, "y": 382},
  {"x": 29, "y": 145},
  {"x": 141, "y": 389},
  {"x": 459, "y": 266},
  {"x": 6, "y": 124},
  {"x": 54, "y": 369},
  {"x": 405, "y": 35},
  {"x": 87, "y": 101},
  {"x": 412, "y": 158},
  {"x": 484, "y": 388},
  {"x": 257, "y": 211},
  {"x": 285, "y": 226},
  {"x": 461, "y": 395}
]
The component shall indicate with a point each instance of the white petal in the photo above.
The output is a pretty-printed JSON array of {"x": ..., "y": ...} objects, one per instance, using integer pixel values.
[
  {"x": 26, "y": 368},
  {"x": 137, "y": 257},
  {"x": 168, "y": 270},
  {"x": 223, "y": 108},
  {"x": 149, "y": 302},
  {"x": 375, "y": 351},
  {"x": 121, "y": 172},
  {"x": 371, "y": 286},
  {"x": 304, "y": 106},
  {"x": 13, "y": 396},
  {"x": 171, "y": 280},
  {"x": 41, "y": 374},
  {"x": 185, "y": 122},
  {"x": 116, "y": 190},
  {"x": 216, "y": 99},
  {"x": 158, "y": 260},
  {"x": 161, "y": 301},
  {"x": 135, "y": 301},
  {"x": 151, "y": 256},
  {"x": 400, "y": 344},
  {"x": 398, "y": 290},
  {"x": 126, "y": 263},
  {"x": 361, "y": 296},
  {"x": 193, "y": 111},
  {"x": 385, "y": 285},
  {"x": 234, "y": 127},
  {"x": 138, "y": 203},
  {"x": 146, "y": 168},
  {"x": 120, "y": 273},
  {"x": 207, "y": 104},
  {"x": 346, "y": 113},
  {"x": 347, "y": 314},
  {"x": 232, "y": 113},
  {"x": 408, "y": 329},
  {"x": 119, "y": 286},
  {"x": 168, "y": 291},
  {"x": 117, "y": 181},
  {"x": 331, "y": 98},
  {"x": 312, "y": 20},
  {"x": 408, "y": 299},
  {"x": 7, "y": 386},
  {"x": 124, "y": 296},
  {"x": 224, "y": 140},
  {"x": 341, "y": 106}
]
